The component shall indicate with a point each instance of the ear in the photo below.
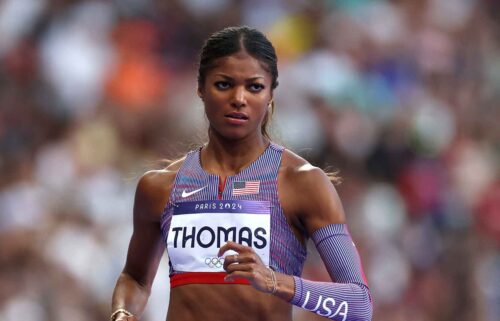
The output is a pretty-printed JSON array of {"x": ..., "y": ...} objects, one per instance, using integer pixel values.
[{"x": 200, "y": 93}]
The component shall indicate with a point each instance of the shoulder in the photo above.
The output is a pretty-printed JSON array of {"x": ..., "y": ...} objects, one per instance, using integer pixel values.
[
  {"x": 296, "y": 169},
  {"x": 308, "y": 193},
  {"x": 159, "y": 180},
  {"x": 153, "y": 190}
]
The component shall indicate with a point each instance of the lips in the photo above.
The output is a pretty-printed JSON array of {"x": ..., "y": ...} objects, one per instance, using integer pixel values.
[{"x": 235, "y": 115}]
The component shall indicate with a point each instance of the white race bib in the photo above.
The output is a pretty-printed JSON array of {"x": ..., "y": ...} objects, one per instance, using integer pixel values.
[{"x": 199, "y": 229}]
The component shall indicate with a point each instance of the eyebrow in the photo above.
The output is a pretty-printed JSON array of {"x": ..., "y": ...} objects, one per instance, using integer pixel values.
[{"x": 248, "y": 79}]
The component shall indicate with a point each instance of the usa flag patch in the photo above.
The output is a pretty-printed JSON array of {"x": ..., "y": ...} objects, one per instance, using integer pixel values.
[{"x": 246, "y": 188}]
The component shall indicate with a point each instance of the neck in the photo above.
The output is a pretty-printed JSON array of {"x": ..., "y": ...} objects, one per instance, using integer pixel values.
[{"x": 228, "y": 157}]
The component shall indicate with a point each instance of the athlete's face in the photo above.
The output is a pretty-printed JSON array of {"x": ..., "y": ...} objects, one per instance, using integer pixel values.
[{"x": 236, "y": 94}]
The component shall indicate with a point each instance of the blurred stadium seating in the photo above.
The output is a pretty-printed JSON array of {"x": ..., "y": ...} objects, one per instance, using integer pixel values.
[{"x": 402, "y": 97}]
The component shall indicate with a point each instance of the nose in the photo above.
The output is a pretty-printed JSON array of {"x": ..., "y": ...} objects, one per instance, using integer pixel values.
[{"x": 239, "y": 97}]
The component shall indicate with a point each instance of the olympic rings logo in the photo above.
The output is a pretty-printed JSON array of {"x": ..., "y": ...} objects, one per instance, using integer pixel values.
[{"x": 214, "y": 262}]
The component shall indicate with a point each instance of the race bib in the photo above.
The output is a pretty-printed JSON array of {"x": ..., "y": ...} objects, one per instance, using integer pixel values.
[{"x": 198, "y": 229}]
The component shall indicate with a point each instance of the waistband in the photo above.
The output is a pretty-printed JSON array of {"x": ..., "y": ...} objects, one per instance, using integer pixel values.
[{"x": 203, "y": 278}]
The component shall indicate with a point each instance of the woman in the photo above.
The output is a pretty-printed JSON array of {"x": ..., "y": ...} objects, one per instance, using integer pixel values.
[{"x": 236, "y": 213}]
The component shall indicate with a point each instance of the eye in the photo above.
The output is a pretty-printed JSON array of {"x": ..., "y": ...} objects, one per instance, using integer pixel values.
[
  {"x": 256, "y": 87},
  {"x": 222, "y": 85}
]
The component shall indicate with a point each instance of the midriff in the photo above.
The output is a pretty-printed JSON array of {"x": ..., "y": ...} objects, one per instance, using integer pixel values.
[{"x": 225, "y": 302}]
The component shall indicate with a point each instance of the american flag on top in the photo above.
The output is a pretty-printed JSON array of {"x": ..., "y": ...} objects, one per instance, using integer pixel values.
[{"x": 246, "y": 188}]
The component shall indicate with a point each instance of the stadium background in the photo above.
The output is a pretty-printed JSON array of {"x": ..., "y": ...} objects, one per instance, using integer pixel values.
[{"x": 401, "y": 96}]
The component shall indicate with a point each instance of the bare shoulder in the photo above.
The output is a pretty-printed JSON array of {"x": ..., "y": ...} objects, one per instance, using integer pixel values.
[
  {"x": 306, "y": 191},
  {"x": 153, "y": 191},
  {"x": 296, "y": 168},
  {"x": 159, "y": 181}
]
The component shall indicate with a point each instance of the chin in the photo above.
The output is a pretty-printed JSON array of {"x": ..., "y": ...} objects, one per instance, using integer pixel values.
[{"x": 232, "y": 135}]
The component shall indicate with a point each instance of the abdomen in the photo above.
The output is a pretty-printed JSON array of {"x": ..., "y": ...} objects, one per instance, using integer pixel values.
[{"x": 223, "y": 302}]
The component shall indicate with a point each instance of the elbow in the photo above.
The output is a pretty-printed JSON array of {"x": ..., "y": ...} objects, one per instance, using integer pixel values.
[
  {"x": 366, "y": 304},
  {"x": 368, "y": 312},
  {"x": 360, "y": 306},
  {"x": 135, "y": 282},
  {"x": 364, "y": 312}
]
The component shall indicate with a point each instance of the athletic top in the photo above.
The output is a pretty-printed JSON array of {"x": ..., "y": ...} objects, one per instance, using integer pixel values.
[{"x": 250, "y": 197}]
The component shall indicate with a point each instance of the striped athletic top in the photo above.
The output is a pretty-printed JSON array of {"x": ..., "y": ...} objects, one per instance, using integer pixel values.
[{"x": 286, "y": 253}]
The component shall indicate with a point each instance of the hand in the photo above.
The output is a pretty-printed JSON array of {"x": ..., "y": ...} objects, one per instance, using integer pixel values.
[{"x": 247, "y": 265}]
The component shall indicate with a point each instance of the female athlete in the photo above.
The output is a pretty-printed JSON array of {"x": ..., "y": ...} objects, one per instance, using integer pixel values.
[{"x": 235, "y": 214}]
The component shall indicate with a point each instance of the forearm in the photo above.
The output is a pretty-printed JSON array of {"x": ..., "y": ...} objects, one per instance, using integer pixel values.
[
  {"x": 130, "y": 295},
  {"x": 345, "y": 299},
  {"x": 336, "y": 301}
]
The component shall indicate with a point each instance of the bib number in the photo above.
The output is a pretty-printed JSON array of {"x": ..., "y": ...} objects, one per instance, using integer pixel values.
[{"x": 199, "y": 229}]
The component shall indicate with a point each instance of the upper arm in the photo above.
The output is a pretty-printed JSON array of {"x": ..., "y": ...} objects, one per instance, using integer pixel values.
[
  {"x": 311, "y": 197},
  {"x": 146, "y": 245}
]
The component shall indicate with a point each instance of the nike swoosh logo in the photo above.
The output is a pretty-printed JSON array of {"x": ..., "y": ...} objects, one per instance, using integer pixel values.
[{"x": 186, "y": 194}]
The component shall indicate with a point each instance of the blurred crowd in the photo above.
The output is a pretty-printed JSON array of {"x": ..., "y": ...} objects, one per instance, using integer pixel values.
[{"x": 401, "y": 97}]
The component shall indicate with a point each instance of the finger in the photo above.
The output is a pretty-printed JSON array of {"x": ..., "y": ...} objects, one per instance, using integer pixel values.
[
  {"x": 231, "y": 259},
  {"x": 249, "y": 267},
  {"x": 240, "y": 259},
  {"x": 235, "y": 247},
  {"x": 239, "y": 274}
]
